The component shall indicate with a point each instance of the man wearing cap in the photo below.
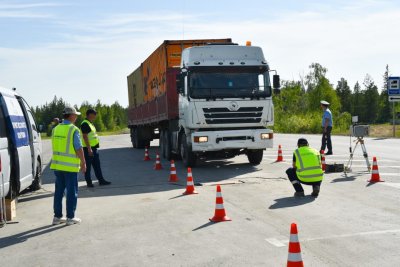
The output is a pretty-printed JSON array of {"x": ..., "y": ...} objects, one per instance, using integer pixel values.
[
  {"x": 67, "y": 161},
  {"x": 326, "y": 128},
  {"x": 90, "y": 148},
  {"x": 306, "y": 169}
]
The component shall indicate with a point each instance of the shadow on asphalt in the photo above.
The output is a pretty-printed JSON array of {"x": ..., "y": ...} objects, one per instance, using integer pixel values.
[
  {"x": 203, "y": 226},
  {"x": 287, "y": 202},
  {"x": 24, "y": 236},
  {"x": 129, "y": 174}
]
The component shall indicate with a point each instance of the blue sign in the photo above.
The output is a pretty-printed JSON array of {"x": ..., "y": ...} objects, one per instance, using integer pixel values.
[
  {"x": 394, "y": 86},
  {"x": 16, "y": 121}
]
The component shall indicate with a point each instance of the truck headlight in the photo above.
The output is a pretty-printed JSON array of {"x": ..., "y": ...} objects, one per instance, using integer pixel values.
[
  {"x": 267, "y": 136},
  {"x": 201, "y": 139}
]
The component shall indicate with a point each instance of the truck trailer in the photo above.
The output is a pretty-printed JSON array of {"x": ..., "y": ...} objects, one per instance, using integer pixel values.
[{"x": 208, "y": 99}]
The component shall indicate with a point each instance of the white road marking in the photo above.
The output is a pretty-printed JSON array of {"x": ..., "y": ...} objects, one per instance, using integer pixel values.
[
  {"x": 281, "y": 243},
  {"x": 395, "y": 185},
  {"x": 379, "y": 166}
]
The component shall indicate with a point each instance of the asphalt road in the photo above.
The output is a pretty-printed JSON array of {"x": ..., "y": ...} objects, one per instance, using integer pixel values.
[{"x": 142, "y": 220}]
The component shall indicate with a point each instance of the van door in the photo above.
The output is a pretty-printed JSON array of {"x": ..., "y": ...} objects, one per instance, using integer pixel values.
[
  {"x": 20, "y": 148},
  {"x": 34, "y": 135},
  {"x": 5, "y": 168}
]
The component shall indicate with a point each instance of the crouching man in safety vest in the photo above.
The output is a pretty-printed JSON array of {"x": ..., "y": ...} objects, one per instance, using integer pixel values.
[
  {"x": 306, "y": 169},
  {"x": 67, "y": 161}
]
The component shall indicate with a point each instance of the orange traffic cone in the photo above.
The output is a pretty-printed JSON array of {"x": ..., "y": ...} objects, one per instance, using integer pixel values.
[
  {"x": 375, "y": 177},
  {"x": 219, "y": 215},
  {"x": 157, "y": 165},
  {"x": 294, "y": 258},
  {"x": 146, "y": 154},
  {"x": 190, "y": 183},
  {"x": 280, "y": 156},
  {"x": 172, "y": 176},
  {"x": 323, "y": 163}
]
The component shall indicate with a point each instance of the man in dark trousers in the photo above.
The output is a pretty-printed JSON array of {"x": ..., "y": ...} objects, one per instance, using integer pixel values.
[
  {"x": 90, "y": 148},
  {"x": 306, "y": 169},
  {"x": 326, "y": 128}
]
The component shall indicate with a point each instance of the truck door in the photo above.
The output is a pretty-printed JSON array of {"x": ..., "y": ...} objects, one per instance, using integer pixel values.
[{"x": 20, "y": 148}]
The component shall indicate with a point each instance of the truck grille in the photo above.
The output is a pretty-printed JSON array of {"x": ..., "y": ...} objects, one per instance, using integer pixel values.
[{"x": 225, "y": 116}]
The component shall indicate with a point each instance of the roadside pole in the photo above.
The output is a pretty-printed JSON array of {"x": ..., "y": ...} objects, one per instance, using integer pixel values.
[
  {"x": 394, "y": 120},
  {"x": 393, "y": 85}
]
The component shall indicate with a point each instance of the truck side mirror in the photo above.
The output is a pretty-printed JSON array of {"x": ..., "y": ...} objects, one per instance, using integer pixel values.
[
  {"x": 276, "y": 81},
  {"x": 180, "y": 83}
]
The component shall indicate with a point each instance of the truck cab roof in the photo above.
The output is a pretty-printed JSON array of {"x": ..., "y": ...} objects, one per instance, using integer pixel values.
[
  {"x": 7, "y": 91},
  {"x": 223, "y": 55}
]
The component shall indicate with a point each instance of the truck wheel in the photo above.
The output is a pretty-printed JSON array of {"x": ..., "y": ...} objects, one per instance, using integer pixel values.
[
  {"x": 255, "y": 156},
  {"x": 37, "y": 182},
  {"x": 167, "y": 145},
  {"x": 188, "y": 157}
]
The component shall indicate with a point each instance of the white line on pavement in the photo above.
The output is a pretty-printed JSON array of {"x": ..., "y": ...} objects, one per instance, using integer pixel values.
[
  {"x": 395, "y": 185},
  {"x": 281, "y": 243}
]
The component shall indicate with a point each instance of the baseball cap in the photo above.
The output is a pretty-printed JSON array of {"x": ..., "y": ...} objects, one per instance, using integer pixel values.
[
  {"x": 70, "y": 110},
  {"x": 302, "y": 141},
  {"x": 91, "y": 111}
]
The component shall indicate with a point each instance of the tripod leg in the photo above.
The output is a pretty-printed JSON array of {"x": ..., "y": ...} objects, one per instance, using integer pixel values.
[
  {"x": 364, "y": 149},
  {"x": 350, "y": 161}
]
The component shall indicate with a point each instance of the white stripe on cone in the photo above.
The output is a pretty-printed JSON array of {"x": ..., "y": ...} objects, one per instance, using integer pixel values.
[
  {"x": 294, "y": 257},
  {"x": 294, "y": 238},
  {"x": 219, "y": 206}
]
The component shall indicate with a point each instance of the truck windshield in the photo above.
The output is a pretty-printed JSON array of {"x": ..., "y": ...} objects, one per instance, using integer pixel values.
[{"x": 229, "y": 84}]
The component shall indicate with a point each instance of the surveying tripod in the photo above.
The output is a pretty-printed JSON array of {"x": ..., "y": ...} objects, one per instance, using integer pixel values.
[{"x": 360, "y": 140}]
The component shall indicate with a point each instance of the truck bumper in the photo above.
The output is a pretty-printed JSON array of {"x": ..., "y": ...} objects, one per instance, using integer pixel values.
[{"x": 235, "y": 139}]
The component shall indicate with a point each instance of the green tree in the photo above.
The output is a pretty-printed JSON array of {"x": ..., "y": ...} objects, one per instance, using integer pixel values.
[
  {"x": 357, "y": 103},
  {"x": 384, "y": 104},
  {"x": 371, "y": 100},
  {"x": 344, "y": 93}
]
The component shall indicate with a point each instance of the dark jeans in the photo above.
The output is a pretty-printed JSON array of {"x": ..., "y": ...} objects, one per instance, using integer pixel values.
[
  {"x": 95, "y": 162},
  {"x": 291, "y": 173},
  {"x": 66, "y": 182},
  {"x": 326, "y": 139}
]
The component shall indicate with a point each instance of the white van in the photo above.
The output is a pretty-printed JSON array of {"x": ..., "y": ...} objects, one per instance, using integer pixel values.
[{"x": 20, "y": 145}]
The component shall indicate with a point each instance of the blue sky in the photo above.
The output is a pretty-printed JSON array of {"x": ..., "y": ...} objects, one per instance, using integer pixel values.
[{"x": 83, "y": 50}]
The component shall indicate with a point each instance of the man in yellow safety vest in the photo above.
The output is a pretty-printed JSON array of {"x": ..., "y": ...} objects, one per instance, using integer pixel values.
[
  {"x": 67, "y": 161},
  {"x": 91, "y": 145},
  {"x": 306, "y": 169}
]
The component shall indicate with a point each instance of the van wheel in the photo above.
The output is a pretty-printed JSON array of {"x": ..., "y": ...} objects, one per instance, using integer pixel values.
[
  {"x": 255, "y": 156},
  {"x": 188, "y": 157},
  {"x": 37, "y": 183}
]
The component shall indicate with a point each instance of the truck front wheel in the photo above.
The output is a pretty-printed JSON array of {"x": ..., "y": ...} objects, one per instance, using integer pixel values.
[
  {"x": 255, "y": 156},
  {"x": 188, "y": 157}
]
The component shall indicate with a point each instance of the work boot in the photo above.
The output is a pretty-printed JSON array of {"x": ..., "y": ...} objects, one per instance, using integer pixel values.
[
  {"x": 315, "y": 191},
  {"x": 104, "y": 182},
  {"x": 90, "y": 185},
  {"x": 299, "y": 194},
  {"x": 328, "y": 153}
]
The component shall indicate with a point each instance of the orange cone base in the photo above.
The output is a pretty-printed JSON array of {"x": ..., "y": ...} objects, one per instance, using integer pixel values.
[
  {"x": 173, "y": 179},
  {"x": 158, "y": 167},
  {"x": 147, "y": 159},
  {"x": 190, "y": 192},
  {"x": 220, "y": 219},
  {"x": 375, "y": 180}
]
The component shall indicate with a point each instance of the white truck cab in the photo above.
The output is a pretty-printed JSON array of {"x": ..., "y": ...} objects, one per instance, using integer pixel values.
[
  {"x": 225, "y": 103},
  {"x": 20, "y": 146}
]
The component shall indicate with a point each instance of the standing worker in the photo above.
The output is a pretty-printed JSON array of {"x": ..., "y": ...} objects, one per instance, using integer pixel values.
[
  {"x": 90, "y": 146},
  {"x": 306, "y": 169},
  {"x": 66, "y": 162},
  {"x": 326, "y": 128}
]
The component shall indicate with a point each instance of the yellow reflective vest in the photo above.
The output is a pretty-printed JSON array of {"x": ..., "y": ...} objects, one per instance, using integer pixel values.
[
  {"x": 93, "y": 137},
  {"x": 64, "y": 156},
  {"x": 308, "y": 164}
]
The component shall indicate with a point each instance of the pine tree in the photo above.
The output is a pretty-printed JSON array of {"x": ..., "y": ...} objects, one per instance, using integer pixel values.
[
  {"x": 384, "y": 104},
  {"x": 371, "y": 100},
  {"x": 344, "y": 92}
]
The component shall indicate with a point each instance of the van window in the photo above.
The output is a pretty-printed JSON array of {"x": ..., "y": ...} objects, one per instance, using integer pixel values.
[
  {"x": 32, "y": 121},
  {"x": 3, "y": 130}
]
